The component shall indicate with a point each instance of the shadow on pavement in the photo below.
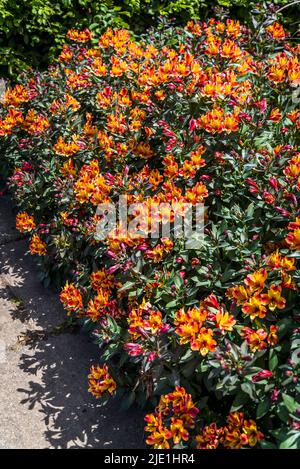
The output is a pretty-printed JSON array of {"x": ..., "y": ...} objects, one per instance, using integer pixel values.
[{"x": 55, "y": 366}]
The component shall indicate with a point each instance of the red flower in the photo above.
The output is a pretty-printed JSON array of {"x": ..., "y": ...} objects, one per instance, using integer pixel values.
[{"x": 261, "y": 375}]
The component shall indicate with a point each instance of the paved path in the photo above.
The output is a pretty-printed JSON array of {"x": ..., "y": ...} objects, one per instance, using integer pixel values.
[{"x": 44, "y": 401}]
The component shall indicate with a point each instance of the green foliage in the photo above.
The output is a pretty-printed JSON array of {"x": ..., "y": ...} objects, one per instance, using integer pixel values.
[{"x": 33, "y": 30}]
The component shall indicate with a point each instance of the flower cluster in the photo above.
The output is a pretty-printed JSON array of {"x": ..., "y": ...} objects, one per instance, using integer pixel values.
[
  {"x": 238, "y": 433},
  {"x": 255, "y": 297},
  {"x": 172, "y": 419},
  {"x": 24, "y": 222},
  {"x": 191, "y": 324},
  {"x": 71, "y": 298},
  {"x": 176, "y": 421},
  {"x": 100, "y": 381}
]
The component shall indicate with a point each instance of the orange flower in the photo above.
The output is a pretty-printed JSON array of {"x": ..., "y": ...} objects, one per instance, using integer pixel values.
[
  {"x": 68, "y": 168},
  {"x": 67, "y": 149},
  {"x": 240, "y": 432},
  {"x": 143, "y": 150},
  {"x": 197, "y": 193},
  {"x": 159, "y": 439},
  {"x": 217, "y": 121},
  {"x": 154, "y": 422},
  {"x": 101, "y": 279},
  {"x": 100, "y": 381},
  {"x": 230, "y": 50},
  {"x": 155, "y": 178},
  {"x": 58, "y": 106},
  {"x": 178, "y": 431},
  {"x": 255, "y": 307},
  {"x": 116, "y": 123},
  {"x": 104, "y": 98},
  {"x": 167, "y": 244},
  {"x": 71, "y": 298},
  {"x": 276, "y": 31},
  {"x": 233, "y": 438},
  {"x": 156, "y": 254},
  {"x": 12, "y": 119},
  {"x": 287, "y": 281},
  {"x": 182, "y": 404},
  {"x": 274, "y": 260},
  {"x": 213, "y": 46},
  {"x": 209, "y": 437},
  {"x": 275, "y": 300},
  {"x": 225, "y": 321},
  {"x": 238, "y": 293},
  {"x": 275, "y": 115},
  {"x": 25, "y": 223},
  {"x": 181, "y": 412},
  {"x": 37, "y": 246},
  {"x": 15, "y": 96},
  {"x": 276, "y": 74},
  {"x": 66, "y": 54},
  {"x": 256, "y": 281},
  {"x": 251, "y": 432},
  {"x": 293, "y": 115},
  {"x": 272, "y": 336},
  {"x": 204, "y": 342},
  {"x": 293, "y": 239},
  {"x": 35, "y": 123},
  {"x": 100, "y": 70},
  {"x": 189, "y": 323},
  {"x": 235, "y": 419},
  {"x": 79, "y": 36},
  {"x": 294, "y": 72},
  {"x": 233, "y": 28},
  {"x": 146, "y": 320},
  {"x": 255, "y": 339},
  {"x": 96, "y": 306},
  {"x": 77, "y": 80},
  {"x": 72, "y": 102}
]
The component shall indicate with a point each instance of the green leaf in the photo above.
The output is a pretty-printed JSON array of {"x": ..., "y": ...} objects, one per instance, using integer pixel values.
[
  {"x": 248, "y": 388},
  {"x": 239, "y": 401},
  {"x": 292, "y": 442},
  {"x": 188, "y": 369},
  {"x": 282, "y": 412},
  {"x": 273, "y": 360},
  {"x": 127, "y": 286},
  {"x": 290, "y": 403},
  {"x": 128, "y": 401},
  {"x": 262, "y": 408},
  {"x": 171, "y": 304},
  {"x": 267, "y": 445}
]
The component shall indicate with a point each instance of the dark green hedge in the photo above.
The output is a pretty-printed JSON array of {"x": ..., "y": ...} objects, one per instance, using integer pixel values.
[{"x": 31, "y": 31}]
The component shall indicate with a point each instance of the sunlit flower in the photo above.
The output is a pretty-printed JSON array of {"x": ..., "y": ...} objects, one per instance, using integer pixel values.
[
  {"x": 276, "y": 30},
  {"x": 71, "y": 298},
  {"x": 100, "y": 381}
]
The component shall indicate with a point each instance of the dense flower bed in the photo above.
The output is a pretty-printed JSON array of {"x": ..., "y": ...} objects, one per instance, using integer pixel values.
[{"x": 209, "y": 337}]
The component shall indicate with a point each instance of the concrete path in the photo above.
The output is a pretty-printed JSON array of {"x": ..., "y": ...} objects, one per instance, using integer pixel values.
[{"x": 44, "y": 401}]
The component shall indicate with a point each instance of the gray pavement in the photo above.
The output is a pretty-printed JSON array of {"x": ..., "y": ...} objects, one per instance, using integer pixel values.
[{"x": 44, "y": 402}]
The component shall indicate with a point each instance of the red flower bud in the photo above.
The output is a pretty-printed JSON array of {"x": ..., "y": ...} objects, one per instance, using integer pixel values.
[{"x": 261, "y": 375}]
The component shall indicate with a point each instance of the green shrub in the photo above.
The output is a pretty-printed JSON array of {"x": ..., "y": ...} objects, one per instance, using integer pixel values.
[{"x": 211, "y": 116}]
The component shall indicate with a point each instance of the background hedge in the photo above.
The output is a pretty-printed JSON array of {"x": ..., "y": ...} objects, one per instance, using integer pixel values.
[{"x": 31, "y": 31}]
